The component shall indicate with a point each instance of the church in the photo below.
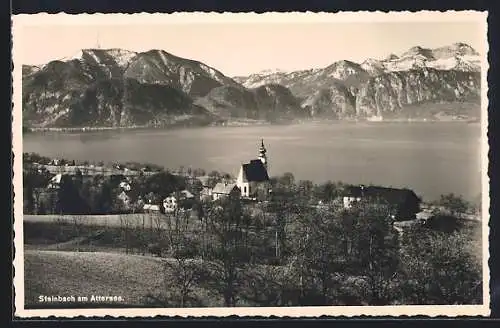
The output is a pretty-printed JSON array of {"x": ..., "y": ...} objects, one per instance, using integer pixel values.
[{"x": 253, "y": 178}]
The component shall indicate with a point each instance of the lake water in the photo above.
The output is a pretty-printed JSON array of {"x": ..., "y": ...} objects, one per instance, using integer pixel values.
[{"x": 430, "y": 158}]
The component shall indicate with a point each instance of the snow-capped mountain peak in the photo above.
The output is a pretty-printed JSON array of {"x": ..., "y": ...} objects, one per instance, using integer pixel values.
[
  {"x": 373, "y": 66},
  {"x": 272, "y": 71},
  {"x": 114, "y": 57},
  {"x": 121, "y": 56}
]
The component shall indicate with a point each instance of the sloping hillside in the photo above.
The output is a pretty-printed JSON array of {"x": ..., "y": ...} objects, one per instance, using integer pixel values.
[
  {"x": 106, "y": 102},
  {"x": 192, "y": 77},
  {"x": 137, "y": 280},
  {"x": 269, "y": 102},
  {"x": 383, "y": 87},
  {"x": 120, "y": 88},
  {"x": 389, "y": 93},
  {"x": 50, "y": 273}
]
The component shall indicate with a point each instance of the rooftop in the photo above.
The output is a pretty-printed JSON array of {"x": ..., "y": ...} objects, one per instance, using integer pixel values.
[
  {"x": 186, "y": 194},
  {"x": 391, "y": 195},
  {"x": 255, "y": 171},
  {"x": 224, "y": 188},
  {"x": 151, "y": 207}
]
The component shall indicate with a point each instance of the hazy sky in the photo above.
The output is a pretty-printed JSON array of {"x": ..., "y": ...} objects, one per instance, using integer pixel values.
[{"x": 243, "y": 48}]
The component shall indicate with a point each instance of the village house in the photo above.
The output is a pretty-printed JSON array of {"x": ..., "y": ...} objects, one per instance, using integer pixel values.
[
  {"x": 55, "y": 162},
  {"x": 253, "y": 178},
  {"x": 119, "y": 167},
  {"x": 151, "y": 208},
  {"x": 224, "y": 190},
  {"x": 55, "y": 181},
  {"x": 125, "y": 185},
  {"x": 195, "y": 185},
  {"x": 206, "y": 194},
  {"x": 151, "y": 198},
  {"x": 405, "y": 202},
  {"x": 183, "y": 199},
  {"x": 170, "y": 204},
  {"x": 125, "y": 199},
  {"x": 424, "y": 215}
]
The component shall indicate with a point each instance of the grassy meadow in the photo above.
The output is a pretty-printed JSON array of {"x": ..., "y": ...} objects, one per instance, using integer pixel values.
[
  {"x": 113, "y": 255},
  {"x": 139, "y": 280}
]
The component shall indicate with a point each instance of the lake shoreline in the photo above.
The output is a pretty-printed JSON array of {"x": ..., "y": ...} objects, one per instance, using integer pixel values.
[
  {"x": 239, "y": 124},
  {"x": 421, "y": 156}
]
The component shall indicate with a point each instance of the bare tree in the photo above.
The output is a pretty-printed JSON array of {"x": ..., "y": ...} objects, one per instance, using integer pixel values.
[
  {"x": 77, "y": 226},
  {"x": 125, "y": 228},
  {"x": 374, "y": 252},
  {"x": 182, "y": 269},
  {"x": 440, "y": 268},
  {"x": 227, "y": 222},
  {"x": 140, "y": 234},
  {"x": 454, "y": 204},
  {"x": 157, "y": 224}
]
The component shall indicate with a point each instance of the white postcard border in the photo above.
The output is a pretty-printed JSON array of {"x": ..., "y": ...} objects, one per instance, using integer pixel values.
[{"x": 216, "y": 18}]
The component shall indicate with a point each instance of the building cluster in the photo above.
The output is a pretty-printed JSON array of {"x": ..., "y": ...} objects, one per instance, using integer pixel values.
[
  {"x": 404, "y": 203},
  {"x": 253, "y": 184}
]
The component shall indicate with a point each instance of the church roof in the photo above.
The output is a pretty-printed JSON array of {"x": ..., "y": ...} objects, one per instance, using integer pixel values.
[{"x": 255, "y": 171}]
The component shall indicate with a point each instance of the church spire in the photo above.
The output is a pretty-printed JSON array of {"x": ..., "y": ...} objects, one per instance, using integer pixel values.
[
  {"x": 262, "y": 153},
  {"x": 262, "y": 149}
]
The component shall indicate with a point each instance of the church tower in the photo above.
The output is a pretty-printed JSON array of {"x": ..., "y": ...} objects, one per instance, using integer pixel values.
[{"x": 262, "y": 155}]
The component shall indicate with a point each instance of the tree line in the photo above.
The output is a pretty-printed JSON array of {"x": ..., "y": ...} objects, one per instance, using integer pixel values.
[
  {"x": 299, "y": 256},
  {"x": 292, "y": 255},
  {"x": 285, "y": 252},
  {"x": 97, "y": 194}
]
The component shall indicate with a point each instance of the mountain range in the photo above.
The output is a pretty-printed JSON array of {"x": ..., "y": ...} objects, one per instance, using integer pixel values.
[{"x": 120, "y": 88}]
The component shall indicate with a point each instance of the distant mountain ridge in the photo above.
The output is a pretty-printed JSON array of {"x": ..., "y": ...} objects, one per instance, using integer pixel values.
[
  {"x": 346, "y": 89},
  {"x": 121, "y": 88}
]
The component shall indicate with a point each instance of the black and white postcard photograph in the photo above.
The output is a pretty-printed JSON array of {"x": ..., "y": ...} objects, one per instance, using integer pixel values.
[{"x": 275, "y": 164}]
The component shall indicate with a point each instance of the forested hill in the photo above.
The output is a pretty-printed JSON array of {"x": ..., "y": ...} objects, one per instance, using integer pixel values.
[{"x": 120, "y": 88}]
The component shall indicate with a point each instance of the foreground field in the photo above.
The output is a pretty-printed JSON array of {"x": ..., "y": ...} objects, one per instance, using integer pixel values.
[
  {"x": 138, "y": 280},
  {"x": 148, "y": 220},
  {"x": 96, "y": 220},
  {"x": 69, "y": 259}
]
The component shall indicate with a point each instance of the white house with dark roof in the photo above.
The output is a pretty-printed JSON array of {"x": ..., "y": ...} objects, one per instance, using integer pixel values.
[
  {"x": 125, "y": 185},
  {"x": 405, "y": 203},
  {"x": 172, "y": 202},
  {"x": 223, "y": 189},
  {"x": 151, "y": 208},
  {"x": 253, "y": 174},
  {"x": 55, "y": 181}
]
